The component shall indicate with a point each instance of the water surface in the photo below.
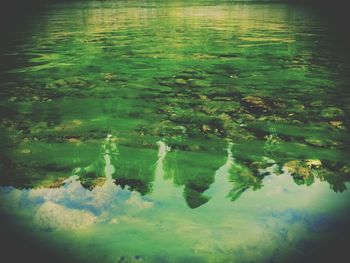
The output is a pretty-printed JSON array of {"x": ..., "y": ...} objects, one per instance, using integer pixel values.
[{"x": 177, "y": 131}]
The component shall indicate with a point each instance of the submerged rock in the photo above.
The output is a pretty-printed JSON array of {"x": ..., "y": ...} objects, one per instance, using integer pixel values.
[
  {"x": 322, "y": 142},
  {"x": 199, "y": 83},
  {"x": 181, "y": 81},
  {"x": 39, "y": 127},
  {"x": 68, "y": 125},
  {"x": 164, "y": 128},
  {"x": 205, "y": 128},
  {"x": 211, "y": 107},
  {"x": 74, "y": 140},
  {"x": 316, "y": 142},
  {"x": 255, "y": 103},
  {"x": 109, "y": 77},
  {"x": 273, "y": 118},
  {"x": 337, "y": 124},
  {"x": 60, "y": 82},
  {"x": 78, "y": 82},
  {"x": 65, "y": 85},
  {"x": 295, "y": 107},
  {"x": 316, "y": 103},
  {"x": 26, "y": 151},
  {"x": 12, "y": 99},
  {"x": 245, "y": 117},
  {"x": 332, "y": 113}
]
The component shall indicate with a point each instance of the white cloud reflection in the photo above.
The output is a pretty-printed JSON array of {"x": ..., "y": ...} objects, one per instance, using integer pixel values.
[{"x": 73, "y": 206}]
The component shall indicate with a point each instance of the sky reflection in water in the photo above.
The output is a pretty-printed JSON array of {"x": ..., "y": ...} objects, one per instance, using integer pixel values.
[{"x": 234, "y": 228}]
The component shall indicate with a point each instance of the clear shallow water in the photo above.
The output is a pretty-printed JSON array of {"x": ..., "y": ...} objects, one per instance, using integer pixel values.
[{"x": 175, "y": 132}]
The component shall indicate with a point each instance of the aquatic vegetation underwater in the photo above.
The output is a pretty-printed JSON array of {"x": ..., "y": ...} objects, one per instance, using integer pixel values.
[{"x": 175, "y": 132}]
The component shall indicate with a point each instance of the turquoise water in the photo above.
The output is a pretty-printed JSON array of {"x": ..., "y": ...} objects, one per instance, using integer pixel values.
[{"x": 175, "y": 132}]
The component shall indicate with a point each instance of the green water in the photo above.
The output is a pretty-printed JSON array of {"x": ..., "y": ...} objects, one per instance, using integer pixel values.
[{"x": 173, "y": 131}]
